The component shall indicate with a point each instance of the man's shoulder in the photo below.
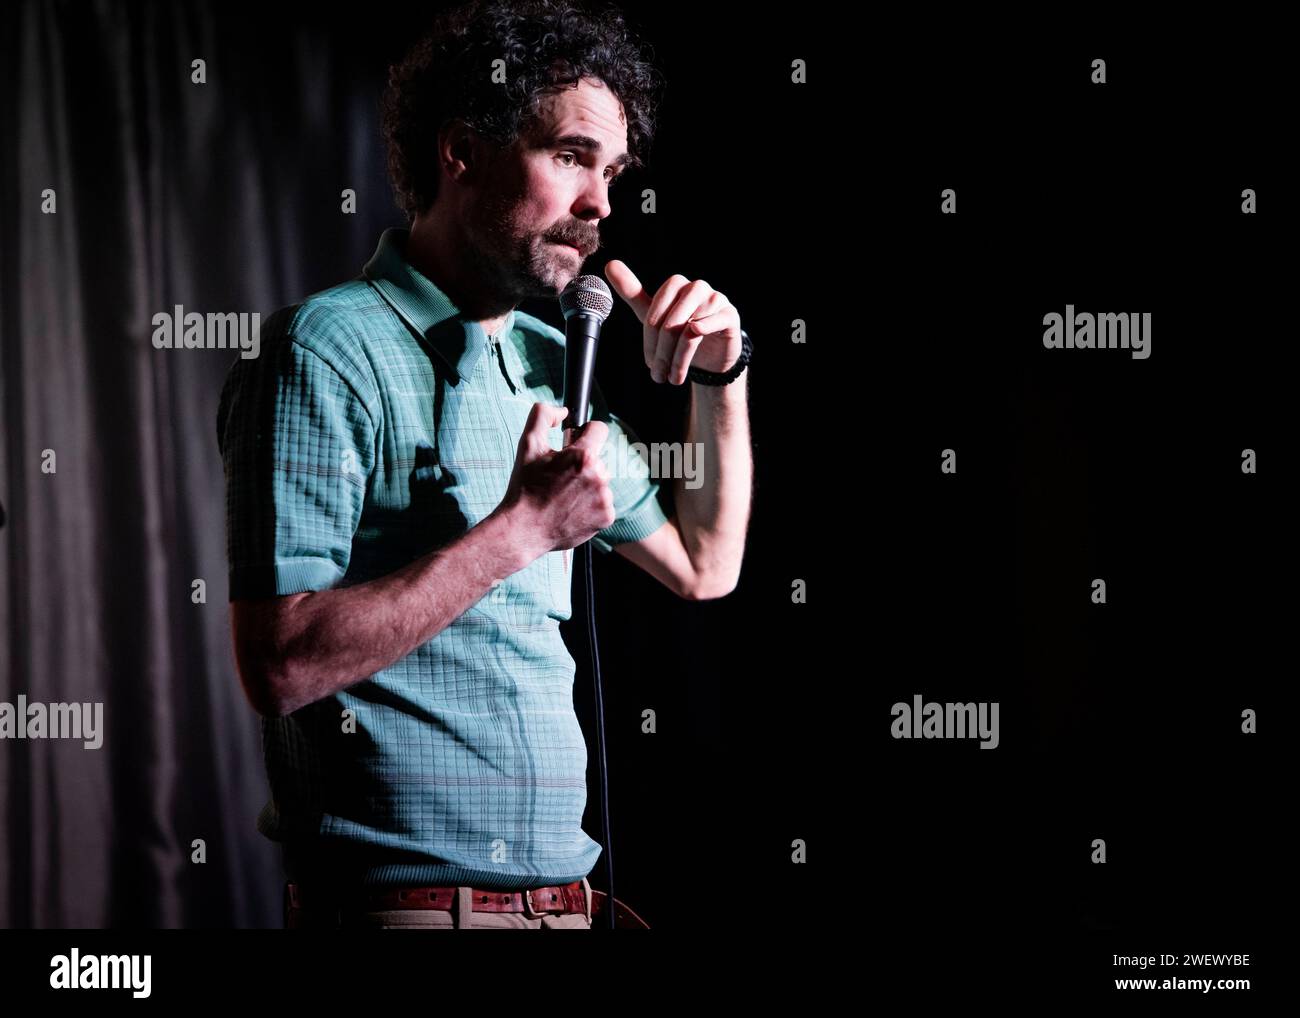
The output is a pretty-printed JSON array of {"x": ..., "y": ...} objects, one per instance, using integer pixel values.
[
  {"x": 334, "y": 324},
  {"x": 330, "y": 328},
  {"x": 330, "y": 316}
]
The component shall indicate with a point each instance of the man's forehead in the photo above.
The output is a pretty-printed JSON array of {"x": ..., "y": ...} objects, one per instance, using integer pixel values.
[{"x": 589, "y": 109}]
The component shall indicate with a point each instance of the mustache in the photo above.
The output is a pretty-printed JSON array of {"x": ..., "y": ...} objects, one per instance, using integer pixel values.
[{"x": 587, "y": 243}]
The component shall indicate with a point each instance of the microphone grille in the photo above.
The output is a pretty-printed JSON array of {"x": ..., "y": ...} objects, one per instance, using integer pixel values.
[{"x": 589, "y": 294}]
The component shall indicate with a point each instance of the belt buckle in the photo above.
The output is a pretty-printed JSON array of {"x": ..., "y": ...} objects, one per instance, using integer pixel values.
[{"x": 532, "y": 911}]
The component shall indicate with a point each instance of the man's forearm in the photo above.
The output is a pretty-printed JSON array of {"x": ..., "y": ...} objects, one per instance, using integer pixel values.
[
  {"x": 331, "y": 639},
  {"x": 714, "y": 516}
]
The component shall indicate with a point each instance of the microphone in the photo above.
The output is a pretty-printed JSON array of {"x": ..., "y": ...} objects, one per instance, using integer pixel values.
[{"x": 586, "y": 302}]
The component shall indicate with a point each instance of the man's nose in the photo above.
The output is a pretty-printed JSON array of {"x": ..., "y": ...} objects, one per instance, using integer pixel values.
[{"x": 592, "y": 204}]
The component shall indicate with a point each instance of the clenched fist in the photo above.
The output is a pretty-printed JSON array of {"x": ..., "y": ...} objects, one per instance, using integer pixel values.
[{"x": 558, "y": 499}]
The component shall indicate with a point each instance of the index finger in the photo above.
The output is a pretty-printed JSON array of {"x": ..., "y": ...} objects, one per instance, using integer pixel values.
[{"x": 627, "y": 286}]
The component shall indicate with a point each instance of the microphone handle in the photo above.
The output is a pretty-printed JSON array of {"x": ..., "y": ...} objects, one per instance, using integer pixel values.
[{"x": 581, "y": 334}]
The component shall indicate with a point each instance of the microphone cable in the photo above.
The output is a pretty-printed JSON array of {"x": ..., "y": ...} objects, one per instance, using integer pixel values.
[{"x": 602, "y": 771}]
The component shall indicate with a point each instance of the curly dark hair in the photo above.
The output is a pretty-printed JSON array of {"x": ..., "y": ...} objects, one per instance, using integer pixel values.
[{"x": 545, "y": 44}]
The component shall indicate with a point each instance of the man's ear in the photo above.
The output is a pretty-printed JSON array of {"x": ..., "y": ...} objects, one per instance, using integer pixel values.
[
  {"x": 463, "y": 153},
  {"x": 456, "y": 155}
]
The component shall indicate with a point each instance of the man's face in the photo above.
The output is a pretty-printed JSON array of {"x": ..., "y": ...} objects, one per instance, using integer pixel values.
[{"x": 545, "y": 195}]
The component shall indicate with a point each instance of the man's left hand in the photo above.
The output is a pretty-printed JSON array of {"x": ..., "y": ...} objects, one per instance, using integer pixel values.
[{"x": 686, "y": 322}]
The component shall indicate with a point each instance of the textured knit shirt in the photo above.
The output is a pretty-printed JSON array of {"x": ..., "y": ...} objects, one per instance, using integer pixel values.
[{"x": 377, "y": 425}]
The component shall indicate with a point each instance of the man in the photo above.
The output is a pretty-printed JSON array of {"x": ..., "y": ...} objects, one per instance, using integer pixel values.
[{"x": 401, "y": 514}]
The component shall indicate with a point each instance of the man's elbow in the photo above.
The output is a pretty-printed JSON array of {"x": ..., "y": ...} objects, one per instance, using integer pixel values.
[
  {"x": 263, "y": 674},
  {"x": 710, "y": 587},
  {"x": 263, "y": 682},
  {"x": 262, "y": 659}
]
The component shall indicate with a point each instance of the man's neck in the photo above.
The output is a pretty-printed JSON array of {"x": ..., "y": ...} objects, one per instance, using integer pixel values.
[{"x": 435, "y": 249}]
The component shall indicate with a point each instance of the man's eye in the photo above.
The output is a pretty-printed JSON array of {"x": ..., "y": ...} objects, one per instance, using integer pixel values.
[{"x": 611, "y": 177}]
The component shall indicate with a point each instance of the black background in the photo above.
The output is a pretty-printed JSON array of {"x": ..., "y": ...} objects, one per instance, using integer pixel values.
[{"x": 1119, "y": 721}]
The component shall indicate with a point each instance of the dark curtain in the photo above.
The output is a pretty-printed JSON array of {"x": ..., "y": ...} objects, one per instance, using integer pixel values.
[
  {"x": 167, "y": 192},
  {"x": 226, "y": 196}
]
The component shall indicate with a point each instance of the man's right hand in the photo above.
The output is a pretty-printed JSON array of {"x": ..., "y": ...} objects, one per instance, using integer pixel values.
[{"x": 558, "y": 499}]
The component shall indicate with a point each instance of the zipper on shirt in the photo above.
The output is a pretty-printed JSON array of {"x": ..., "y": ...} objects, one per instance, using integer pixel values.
[
  {"x": 496, "y": 389},
  {"x": 494, "y": 345}
]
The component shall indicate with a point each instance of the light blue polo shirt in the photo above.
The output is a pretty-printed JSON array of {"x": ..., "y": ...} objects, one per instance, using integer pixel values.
[{"x": 375, "y": 426}]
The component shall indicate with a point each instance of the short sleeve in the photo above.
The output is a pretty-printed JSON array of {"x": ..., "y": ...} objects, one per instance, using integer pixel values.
[
  {"x": 297, "y": 443},
  {"x": 637, "y": 511}
]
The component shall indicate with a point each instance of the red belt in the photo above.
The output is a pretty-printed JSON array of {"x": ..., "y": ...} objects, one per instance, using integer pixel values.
[{"x": 561, "y": 898}]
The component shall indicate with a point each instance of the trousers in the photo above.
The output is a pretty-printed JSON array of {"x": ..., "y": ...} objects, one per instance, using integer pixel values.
[{"x": 461, "y": 916}]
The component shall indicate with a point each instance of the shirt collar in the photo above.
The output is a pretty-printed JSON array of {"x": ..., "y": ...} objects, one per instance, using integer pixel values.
[{"x": 425, "y": 307}]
